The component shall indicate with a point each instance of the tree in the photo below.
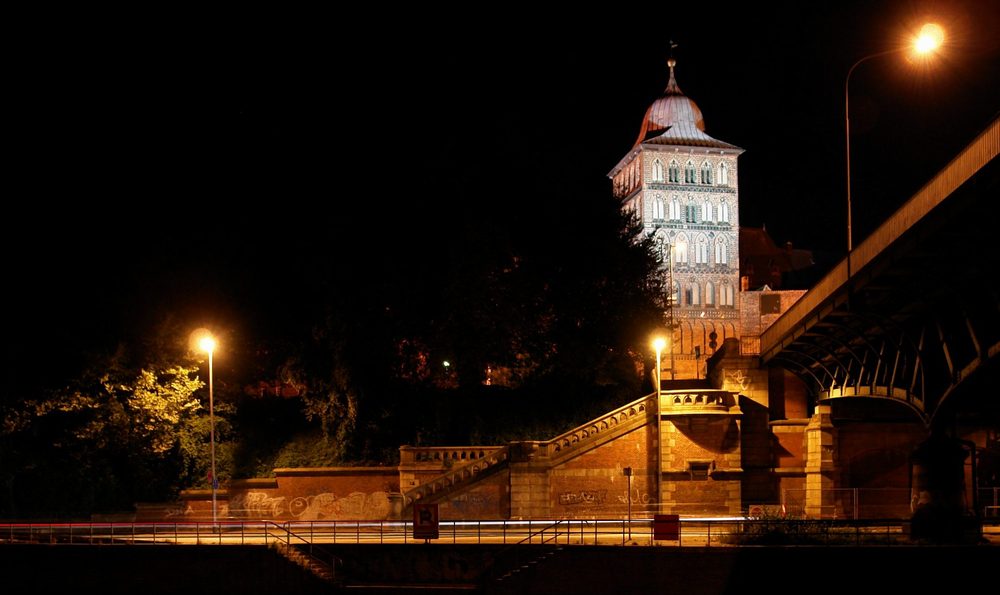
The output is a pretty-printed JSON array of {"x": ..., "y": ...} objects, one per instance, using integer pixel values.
[{"x": 116, "y": 435}]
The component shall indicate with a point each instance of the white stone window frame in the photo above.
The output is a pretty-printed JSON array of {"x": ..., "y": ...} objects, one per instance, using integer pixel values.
[
  {"x": 657, "y": 170},
  {"x": 706, "y": 173},
  {"x": 674, "y": 172}
]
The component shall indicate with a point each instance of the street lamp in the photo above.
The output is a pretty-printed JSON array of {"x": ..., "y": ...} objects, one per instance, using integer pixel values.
[
  {"x": 627, "y": 471},
  {"x": 928, "y": 40},
  {"x": 658, "y": 344},
  {"x": 207, "y": 344}
]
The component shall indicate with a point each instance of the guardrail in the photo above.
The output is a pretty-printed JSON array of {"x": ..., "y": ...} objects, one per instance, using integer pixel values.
[{"x": 694, "y": 532}]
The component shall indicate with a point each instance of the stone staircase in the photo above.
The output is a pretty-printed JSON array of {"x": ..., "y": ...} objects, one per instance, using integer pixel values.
[
  {"x": 457, "y": 478},
  {"x": 568, "y": 445},
  {"x": 598, "y": 431},
  {"x": 322, "y": 570},
  {"x": 520, "y": 566}
]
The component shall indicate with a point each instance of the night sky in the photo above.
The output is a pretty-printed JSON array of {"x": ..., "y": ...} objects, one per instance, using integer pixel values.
[{"x": 203, "y": 165}]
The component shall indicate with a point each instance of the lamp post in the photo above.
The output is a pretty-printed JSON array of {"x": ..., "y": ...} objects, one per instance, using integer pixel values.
[
  {"x": 207, "y": 344},
  {"x": 658, "y": 344},
  {"x": 628, "y": 496},
  {"x": 929, "y": 39}
]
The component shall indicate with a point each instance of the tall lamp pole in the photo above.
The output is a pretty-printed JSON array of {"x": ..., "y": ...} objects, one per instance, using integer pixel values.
[
  {"x": 658, "y": 344},
  {"x": 670, "y": 304},
  {"x": 207, "y": 345},
  {"x": 928, "y": 40}
]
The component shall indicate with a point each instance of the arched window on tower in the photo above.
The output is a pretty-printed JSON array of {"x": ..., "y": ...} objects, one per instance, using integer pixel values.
[
  {"x": 701, "y": 251},
  {"x": 695, "y": 294},
  {"x": 724, "y": 212},
  {"x": 675, "y": 209},
  {"x": 674, "y": 172},
  {"x": 675, "y": 295},
  {"x": 726, "y": 295},
  {"x": 690, "y": 176},
  {"x": 657, "y": 170},
  {"x": 690, "y": 213},
  {"x": 721, "y": 254},
  {"x": 723, "y": 174},
  {"x": 658, "y": 208},
  {"x": 681, "y": 251},
  {"x": 709, "y": 294},
  {"x": 706, "y": 212},
  {"x": 706, "y": 173}
]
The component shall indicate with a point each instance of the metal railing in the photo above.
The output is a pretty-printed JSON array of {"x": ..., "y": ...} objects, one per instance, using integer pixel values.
[
  {"x": 849, "y": 503},
  {"x": 709, "y": 532},
  {"x": 989, "y": 502},
  {"x": 874, "y": 503}
]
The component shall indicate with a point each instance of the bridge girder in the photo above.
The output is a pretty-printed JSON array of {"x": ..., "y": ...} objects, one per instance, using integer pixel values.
[{"x": 920, "y": 313}]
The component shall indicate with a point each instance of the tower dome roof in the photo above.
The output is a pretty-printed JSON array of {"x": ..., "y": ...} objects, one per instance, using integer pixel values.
[
  {"x": 675, "y": 119},
  {"x": 672, "y": 108}
]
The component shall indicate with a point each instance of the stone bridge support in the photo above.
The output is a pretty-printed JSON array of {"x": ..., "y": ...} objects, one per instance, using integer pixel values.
[
  {"x": 939, "y": 489},
  {"x": 821, "y": 464}
]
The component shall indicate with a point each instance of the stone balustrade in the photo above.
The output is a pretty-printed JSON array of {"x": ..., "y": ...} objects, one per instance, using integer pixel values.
[
  {"x": 457, "y": 475},
  {"x": 696, "y": 401},
  {"x": 636, "y": 411},
  {"x": 443, "y": 455}
]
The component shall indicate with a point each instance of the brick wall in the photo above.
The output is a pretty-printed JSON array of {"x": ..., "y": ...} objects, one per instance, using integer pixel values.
[
  {"x": 690, "y": 441},
  {"x": 788, "y": 396},
  {"x": 877, "y": 455},
  {"x": 487, "y": 499},
  {"x": 306, "y": 494},
  {"x": 593, "y": 484}
]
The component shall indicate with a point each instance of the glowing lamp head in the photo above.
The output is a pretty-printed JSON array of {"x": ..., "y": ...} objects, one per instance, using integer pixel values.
[
  {"x": 206, "y": 344},
  {"x": 659, "y": 343},
  {"x": 929, "y": 39}
]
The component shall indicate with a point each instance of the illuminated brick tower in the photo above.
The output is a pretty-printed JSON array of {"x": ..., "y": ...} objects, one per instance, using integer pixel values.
[{"x": 682, "y": 184}]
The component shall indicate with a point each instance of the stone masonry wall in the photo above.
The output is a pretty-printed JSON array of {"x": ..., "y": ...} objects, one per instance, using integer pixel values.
[
  {"x": 692, "y": 441},
  {"x": 486, "y": 499},
  {"x": 306, "y": 494},
  {"x": 593, "y": 484}
]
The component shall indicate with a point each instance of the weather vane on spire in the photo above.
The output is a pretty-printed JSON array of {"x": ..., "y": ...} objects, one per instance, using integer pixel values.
[{"x": 671, "y": 61}]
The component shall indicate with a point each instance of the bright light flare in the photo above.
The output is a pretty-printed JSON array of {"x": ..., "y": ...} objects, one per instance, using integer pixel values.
[
  {"x": 207, "y": 344},
  {"x": 202, "y": 339},
  {"x": 930, "y": 38},
  {"x": 659, "y": 343}
]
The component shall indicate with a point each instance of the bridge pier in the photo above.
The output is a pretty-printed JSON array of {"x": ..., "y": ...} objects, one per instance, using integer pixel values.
[
  {"x": 938, "y": 474},
  {"x": 821, "y": 464}
]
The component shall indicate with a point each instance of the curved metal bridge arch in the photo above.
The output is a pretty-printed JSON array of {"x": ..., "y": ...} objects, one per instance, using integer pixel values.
[{"x": 913, "y": 313}]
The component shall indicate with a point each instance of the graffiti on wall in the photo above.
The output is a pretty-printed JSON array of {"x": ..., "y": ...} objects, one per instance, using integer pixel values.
[
  {"x": 255, "y": 504},
  {"x": 475, "y": 503},
  {"x": 583, "y": 497},
  {"x": 738, "y": 378},
  {"x": 326, "y": 505},
  {"x": 636, "y": 497}
]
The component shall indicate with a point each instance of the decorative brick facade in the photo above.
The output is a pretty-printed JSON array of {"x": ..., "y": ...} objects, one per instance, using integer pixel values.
[{"x": 683, "y": 186}]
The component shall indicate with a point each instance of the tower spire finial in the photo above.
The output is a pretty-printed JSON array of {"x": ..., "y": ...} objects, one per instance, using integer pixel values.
[{"x": 672, "y": 87}]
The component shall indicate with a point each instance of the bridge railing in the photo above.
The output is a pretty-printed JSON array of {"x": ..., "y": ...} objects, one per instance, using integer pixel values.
[{"x": 314, "y": 534}]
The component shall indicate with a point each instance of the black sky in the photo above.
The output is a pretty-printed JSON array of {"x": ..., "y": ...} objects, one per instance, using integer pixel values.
[{"x": 193, "y": 163}]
